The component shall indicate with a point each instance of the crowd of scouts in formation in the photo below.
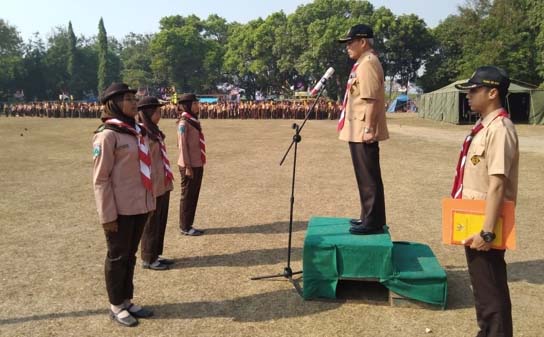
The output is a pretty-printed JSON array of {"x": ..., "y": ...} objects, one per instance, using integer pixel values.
[{"x": 284, "y": 109}]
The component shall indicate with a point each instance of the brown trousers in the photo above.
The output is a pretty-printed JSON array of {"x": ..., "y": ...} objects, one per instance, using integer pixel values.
[
  {"x": 190, "y": 190},
  {"x": 155, "y": 228},
  {"x": 366, "y": 162},
  {"x": 491, "y": 295},
  {"x": 121, "y": 258}
]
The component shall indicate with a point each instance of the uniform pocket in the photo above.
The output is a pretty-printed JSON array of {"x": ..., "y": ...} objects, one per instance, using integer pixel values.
[
  {"x": 476, "y": 154},
  {"x": 355, "y": 90}
]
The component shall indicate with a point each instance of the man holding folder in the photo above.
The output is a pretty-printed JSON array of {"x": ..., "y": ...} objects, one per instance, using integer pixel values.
[{"x": 488, "y": 170}]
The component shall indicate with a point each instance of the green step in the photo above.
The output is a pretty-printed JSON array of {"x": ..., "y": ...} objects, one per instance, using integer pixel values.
[{"x": 417, "y": 274}]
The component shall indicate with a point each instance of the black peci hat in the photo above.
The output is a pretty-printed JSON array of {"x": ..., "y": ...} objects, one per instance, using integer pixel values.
[
  {"x": 487, "y": 76},
  {"x": 357, "y": 31},
  {"x": 149, "y": 102},
  {"x": 187, "y": 98},
  {"x": 115, "y": 89}
]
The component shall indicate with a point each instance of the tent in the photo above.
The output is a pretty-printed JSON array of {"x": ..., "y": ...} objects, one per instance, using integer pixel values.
[
  {"x": 448, "y": 104},
  {"x": 208, "y": 99},
  {"x": 400, "y": 103}
]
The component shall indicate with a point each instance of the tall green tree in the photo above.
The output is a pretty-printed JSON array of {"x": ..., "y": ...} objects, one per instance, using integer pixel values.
[
  {"x": 313, "y": 32},
  {"x": 178, "y": 52},
  {"x": 34, "y": 81},
  {"x": 239, "y": 61},
  {"x": 410, "y": 44},
  {"x": 215, "y": 33},
  {"x": 58, "y": 79},
  {"x": 444, "y": 63},
  {"x": 502, "y": 32},
  {"x": 72, "y": 65},
  {"x": 11, "y": 59},
  {"x": 535, "y": 20},
  {"x": 103, "y": 80},
  {"x": 136, "y": 59}
]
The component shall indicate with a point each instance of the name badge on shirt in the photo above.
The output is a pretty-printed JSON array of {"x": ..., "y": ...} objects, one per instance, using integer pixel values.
[{"x": 123, "y": 146}]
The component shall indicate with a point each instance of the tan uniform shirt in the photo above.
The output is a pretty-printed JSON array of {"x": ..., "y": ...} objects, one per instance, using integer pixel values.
[
  {"x": 493, "y": 151},
  {"x": 118, "y": 187},
  {"x": 367, "y": 84},
  {"x": 188, "y": 145},
  {"x": 157, "y": 170}
]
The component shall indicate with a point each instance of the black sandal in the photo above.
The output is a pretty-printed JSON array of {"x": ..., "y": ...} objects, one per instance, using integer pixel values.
[
  {"x": 129, "y": 321},
  {"x": 142, "y": 313}
]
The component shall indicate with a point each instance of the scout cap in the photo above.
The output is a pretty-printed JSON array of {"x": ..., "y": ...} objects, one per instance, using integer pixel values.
[
  {"x": 187, "y": 98},
  {"x": 357, "y": 31},
  {"x": 115, "y": 89},
  {"x": 149, "y": 102},
  {"x": 487, "y": 76}
]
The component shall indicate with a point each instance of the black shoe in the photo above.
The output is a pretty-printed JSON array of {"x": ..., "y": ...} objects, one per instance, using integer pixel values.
[
  {"x": 129, "y": 320},
  {"x": 142, "y": 313},
  {"x": 157, "y": 265},
  {"x": 365, "y": 230},
  {"x": 192, "y": 232},
  {"x": 356, "y": 222},
  {"x": 167, "y": 262}
]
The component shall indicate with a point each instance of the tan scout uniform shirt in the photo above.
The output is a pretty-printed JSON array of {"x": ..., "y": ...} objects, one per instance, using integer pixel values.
[
  {"x": 368, "y": 83},
  {"x": 494, "y": 150},
  {"x": 157, "y": 170},
  {"x": 118, "y": 187},
  {"x": 188, "y": 145}
]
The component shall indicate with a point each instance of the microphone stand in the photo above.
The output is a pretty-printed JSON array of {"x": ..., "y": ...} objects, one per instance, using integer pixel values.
[{"x": 287, "y": 271}]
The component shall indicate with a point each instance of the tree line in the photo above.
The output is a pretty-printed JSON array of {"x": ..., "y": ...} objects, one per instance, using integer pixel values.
[{"x": 279, "y": 53}]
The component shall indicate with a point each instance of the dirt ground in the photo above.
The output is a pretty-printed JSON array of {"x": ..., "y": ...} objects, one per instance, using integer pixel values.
[{"x": 52, "y": 248}]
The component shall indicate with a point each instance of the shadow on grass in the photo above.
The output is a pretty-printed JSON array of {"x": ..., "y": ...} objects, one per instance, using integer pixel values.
[
  {"x": 271, "y": 228},
  {"x": 530, "y": 271},
  {"x": 459, "y": 288},
  {"x": 255, "y": 308},
  {"x": 51, "y": 316},
  {"x": 240, "y": 259},
  {"x": 263, "y": 307}
]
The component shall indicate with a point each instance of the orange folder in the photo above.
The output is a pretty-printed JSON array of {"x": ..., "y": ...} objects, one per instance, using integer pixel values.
[{"x": 463, "y": 218}]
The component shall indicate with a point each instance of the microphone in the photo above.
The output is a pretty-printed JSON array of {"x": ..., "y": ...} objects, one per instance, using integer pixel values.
[{"x": 322, "y": 81}]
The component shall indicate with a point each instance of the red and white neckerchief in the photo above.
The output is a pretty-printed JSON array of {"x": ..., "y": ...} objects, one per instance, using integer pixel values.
[
  {"x": 351, "y": 79},
  {"x": 457, "y": 189},
  {"x": 169, "y": 176},
  {"x": 201, "y": 135},
  {"x": 143, "y": 151}
]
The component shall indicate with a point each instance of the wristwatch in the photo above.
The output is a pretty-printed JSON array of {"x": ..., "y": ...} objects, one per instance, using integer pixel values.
[
  {"x": 487, "y": 236},
  {"x": 369, "y": 130}
]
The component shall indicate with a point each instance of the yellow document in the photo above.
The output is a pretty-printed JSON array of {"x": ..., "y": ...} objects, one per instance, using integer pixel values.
[{"x": 464, "y": 218}]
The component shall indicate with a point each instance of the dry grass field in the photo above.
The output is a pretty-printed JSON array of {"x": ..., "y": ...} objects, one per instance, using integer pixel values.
[{"x": 52, "y": 248}]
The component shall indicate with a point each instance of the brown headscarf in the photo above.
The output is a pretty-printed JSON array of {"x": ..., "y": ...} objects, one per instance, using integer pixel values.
[
  {"x": 153, "y": 130},
  {"x": 112, "y": 110}
]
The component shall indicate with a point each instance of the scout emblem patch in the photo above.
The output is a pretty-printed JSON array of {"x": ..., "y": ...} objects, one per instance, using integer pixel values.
[
  {"x": 96, "y": 151},
  {"x": 475, "y": 159},
  {"x": 181, "y": 128}
]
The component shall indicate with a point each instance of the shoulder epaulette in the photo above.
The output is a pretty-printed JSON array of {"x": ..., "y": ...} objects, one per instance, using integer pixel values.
[{"x": 101, "y": 128}]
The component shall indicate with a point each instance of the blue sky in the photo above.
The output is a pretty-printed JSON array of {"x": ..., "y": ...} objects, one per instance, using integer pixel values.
[{"x": 122, "y": 16}]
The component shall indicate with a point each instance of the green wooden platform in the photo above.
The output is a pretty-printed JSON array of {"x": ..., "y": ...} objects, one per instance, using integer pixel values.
[{"x": 409, "y": 270}]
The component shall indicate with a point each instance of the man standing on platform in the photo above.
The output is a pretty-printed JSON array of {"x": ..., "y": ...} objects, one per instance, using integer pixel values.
[
  {"x": 362, "y": 124},
  {"x": 488, "y": 170}
]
